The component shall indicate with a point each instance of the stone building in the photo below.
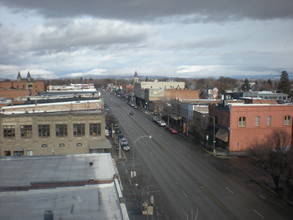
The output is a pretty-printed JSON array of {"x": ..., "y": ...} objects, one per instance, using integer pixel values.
[{"x": 52, "y": 132}]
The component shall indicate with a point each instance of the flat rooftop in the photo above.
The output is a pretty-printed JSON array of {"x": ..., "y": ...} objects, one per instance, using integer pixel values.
[
  {"x": 62, "y": 186},
  {"x": 22, "y": 171}
]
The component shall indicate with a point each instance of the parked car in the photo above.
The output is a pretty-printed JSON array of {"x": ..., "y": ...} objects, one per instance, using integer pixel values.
[
  {"x": 131, "y": 113},
  {"x": 173, "y": 130},
  {"x": 161, "y": 123},
  {"x": 117, "y": 130},
  {"x": 123, "y": 141},
  {"x": 120, "y": 136},
  {"x": 107, "y": 133},
  {"x": 125, "y": 147}
]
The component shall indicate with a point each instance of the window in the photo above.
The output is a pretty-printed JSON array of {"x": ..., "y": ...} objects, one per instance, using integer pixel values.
[
  {"x": 78, "y": 129},
  {"x": 26, "y": 131},
  {"x": 79, "y": 144},
  {"x": 242, "y": 122},
  {"x": 29, "y": 153},
  {"x": 62, "y": 145},
  {"x": 18, "y": 153},
  {"x": 257, "y": 121},
  {"x": 287, "y": 120},
  {"x": 95, "y": 129},
  {"x": 44, "y": 145},
  {"x": 7, "y": 153},
  {"x": 9, "y": 131},
  {"x": 44, "y": 130},
  {"x": 269, "y": 120},
  {"x": 61, "y": 130}
]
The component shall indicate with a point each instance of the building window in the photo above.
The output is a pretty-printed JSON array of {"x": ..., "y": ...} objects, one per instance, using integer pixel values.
[
  {"x": 18, "y": 153},
  {"x": 78, "y": 129},
  {"x": 62, "y": 145},
  {"x": 242, "y": 122},
  {"x": 61, "y": 130},
  {"x": 95, "y": 129},
  {"x": 7, "y": 153},
  {"x": 44, "y": 130},
  {"x": 79, "y": 144},
  {"x": 44, "y": 145},
  {"x": 29, "y": 153},
  {"x": 9, "y": 131},
  {"x": 269, "y": 120},
  {"x": 287, "y": 120},
  {"x": 257, "y": 121},
  {"x": 26, "y": 131}
]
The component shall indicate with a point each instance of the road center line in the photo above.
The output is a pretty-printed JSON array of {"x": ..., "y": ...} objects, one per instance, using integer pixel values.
[
  {"x": 258, "y": 213},
  {"x": 229, "y": 190},
  {"x": 185, "y": 194}
]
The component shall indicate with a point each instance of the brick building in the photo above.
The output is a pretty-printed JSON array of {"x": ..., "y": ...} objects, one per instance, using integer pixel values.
[
  {"x": 238, "y": 125},
  {"x": 21, "y": 87}
]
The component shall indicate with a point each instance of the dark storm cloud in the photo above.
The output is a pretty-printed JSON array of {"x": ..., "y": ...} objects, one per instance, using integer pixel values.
[{"x": 138, "y": 10}]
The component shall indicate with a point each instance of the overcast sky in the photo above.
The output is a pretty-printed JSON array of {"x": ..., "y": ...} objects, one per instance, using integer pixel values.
[{"x": 186, "y": 38}]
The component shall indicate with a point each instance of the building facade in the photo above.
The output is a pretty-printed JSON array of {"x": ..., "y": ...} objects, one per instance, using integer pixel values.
[
  {"x": 21, "y": 87},
  {"x": 239, "y": 126},
  {"x": 53, "y": 133}
]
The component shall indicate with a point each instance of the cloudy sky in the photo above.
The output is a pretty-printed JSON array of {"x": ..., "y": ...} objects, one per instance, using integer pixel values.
[{"x": 186, "y": 38}]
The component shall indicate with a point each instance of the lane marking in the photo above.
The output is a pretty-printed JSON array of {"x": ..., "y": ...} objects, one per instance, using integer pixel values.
[
  {"x": 227, "y": 211},
  {"x": 229, "y": 190},
  {"x": 185, "y": 194},
  {"x": 258, "y": 213}
]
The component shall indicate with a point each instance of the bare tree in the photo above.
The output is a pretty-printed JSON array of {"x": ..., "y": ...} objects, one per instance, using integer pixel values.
[
  {"x": 273, "y": 154},
  {"x": 110, "y": 120}
]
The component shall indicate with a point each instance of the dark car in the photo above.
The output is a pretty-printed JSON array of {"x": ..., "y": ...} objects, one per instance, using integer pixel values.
[
  {"x": 120, "y": 136},
  {"x": 117, "y": 130},
  {"x": 131, "y": 113}
]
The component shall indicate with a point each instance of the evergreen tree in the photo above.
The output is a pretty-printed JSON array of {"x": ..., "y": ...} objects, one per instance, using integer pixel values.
[
  {"x": 246, "y": 86},
  {"x": 284, "y": 85}
]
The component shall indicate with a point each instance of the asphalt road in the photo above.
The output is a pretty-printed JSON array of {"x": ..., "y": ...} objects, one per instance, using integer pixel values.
[{"x": 191, "y": 182}]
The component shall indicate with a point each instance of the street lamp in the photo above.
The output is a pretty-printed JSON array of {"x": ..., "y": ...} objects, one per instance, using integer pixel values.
[
  {"x": 133, "y": 173},
  {"x": 214, "y": 131}
]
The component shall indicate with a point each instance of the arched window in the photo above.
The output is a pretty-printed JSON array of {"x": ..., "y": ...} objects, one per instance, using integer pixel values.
[
  {"x": 242, "y": 122},
  {"x": 287, "y": 120}
]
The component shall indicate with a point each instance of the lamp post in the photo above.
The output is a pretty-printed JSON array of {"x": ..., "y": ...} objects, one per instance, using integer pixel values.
[
  {"x": 214, "y": 131},
  {"x": 133, "y": 173}
]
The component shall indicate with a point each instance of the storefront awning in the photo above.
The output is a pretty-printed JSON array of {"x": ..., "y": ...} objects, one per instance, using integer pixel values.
[
  {"x": 100, "y": 144},
  {"x": 222, "y": 134}
]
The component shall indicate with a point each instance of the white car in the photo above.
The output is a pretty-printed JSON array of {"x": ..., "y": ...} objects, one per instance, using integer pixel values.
[
  {"x": 107, "y": 133},
  {"x": 162, "y": 123},
  {"x": 123, "y": 141},
  {"x": 125, "y": 147}
]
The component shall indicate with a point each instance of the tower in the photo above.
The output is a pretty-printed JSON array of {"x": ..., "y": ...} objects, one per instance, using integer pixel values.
[
  {"x": 29, "y": 78},
  {"x": 19, "y": 77},
  {"x": 135, "y": 78}
]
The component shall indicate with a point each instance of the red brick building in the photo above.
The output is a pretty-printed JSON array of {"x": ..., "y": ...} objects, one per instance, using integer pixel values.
[
  {"x": 21, "y": 87},
  {"x": 238, "y": 126}
]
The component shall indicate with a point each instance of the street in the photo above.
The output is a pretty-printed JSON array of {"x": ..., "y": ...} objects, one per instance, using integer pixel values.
[{"x": 186, "y": 182}]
